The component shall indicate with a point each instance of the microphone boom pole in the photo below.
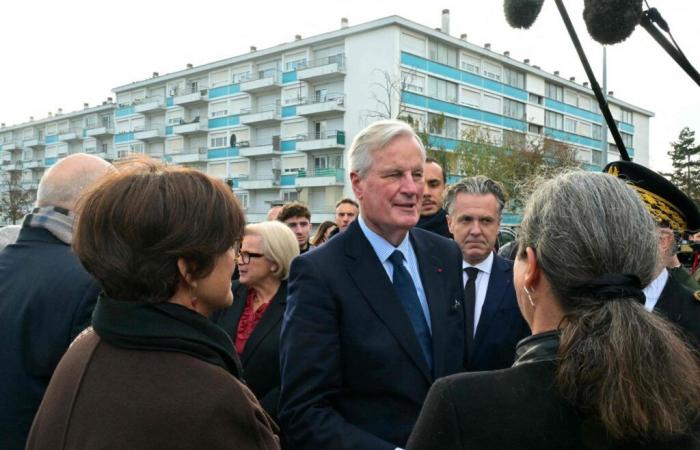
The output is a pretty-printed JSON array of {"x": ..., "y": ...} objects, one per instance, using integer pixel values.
[{"x": 604, "y": 108}]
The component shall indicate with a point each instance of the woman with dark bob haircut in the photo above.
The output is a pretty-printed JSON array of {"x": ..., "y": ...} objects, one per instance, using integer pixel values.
[
  {"x": 599, "y": 371},
  {"x": 152, "y": 372}
]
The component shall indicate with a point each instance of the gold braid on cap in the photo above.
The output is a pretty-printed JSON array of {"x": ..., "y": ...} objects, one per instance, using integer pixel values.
[{"x": 661, "y": 209}]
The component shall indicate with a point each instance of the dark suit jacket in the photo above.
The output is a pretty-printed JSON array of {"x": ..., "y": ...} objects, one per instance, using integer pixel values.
[
  {"x": 512, "y": 409},
  {"x": 500, "y": 325},
  {"x": 46, "y": 299},
  {"x": 260, "y": 357},
  {"x": 677, "y": 304},
  {"x": 353, "y": 374}
]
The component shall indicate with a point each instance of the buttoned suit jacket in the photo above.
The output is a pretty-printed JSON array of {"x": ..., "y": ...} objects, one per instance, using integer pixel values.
[
  {"x": 353, "y": 373},
  {"x": 678, "y": 305},
  {"x": 501, "y": 325},
  {"x": 260, "y": 358}
]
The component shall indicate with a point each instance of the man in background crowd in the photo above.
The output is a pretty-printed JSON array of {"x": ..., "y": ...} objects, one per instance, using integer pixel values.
[
  {"x": 346, "y": 211},
  {"x": 432, "y": 215},
  {"x": 298, "y": 218}
]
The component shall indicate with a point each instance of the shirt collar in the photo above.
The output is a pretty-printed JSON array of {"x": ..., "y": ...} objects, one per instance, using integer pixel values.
[
  {"x": 381, "y": 246},
  {"x": 483, "y": 266}
]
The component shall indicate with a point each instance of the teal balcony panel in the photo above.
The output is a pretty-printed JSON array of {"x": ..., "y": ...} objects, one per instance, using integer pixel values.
[
  {"x": 511, "y": 219},
  {"x": 124, "y": 111},
  {"x": 288, "y": 145},
  {"x": 626, "y": 127},
  {"x": 461, "y": 76},
  {"x": 462, "y": 111},
  {"x": 289, "y": 111},
  {"x": 223, "y": 91},
  {"x": 123, "y": 137},
  {"x": 227, "y": 121},
  {"x": 236, "y": 182},
  {"x": 592, "y": 167},
  {"x": 216, "y": 153},
  {"x": 288, "y": 180},
  {"x": 50, "y": 161},
  {"x": 572, "y": 138},
  {"x": 289, "y": 77},
  {"x": 572, "y": 110},
  {"x": 170, "y": 101},
  {"x": 51, "y": 139},
  {"x": 168, "y": 131},
  {"x": 443, "y": 142}
]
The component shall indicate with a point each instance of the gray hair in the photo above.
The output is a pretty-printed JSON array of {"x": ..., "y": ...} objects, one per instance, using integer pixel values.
[
  {"x": 375, "y": 137},
  {"x": 279, "y": 244},
  {"x": 479, "y": 185},
  {"x": 64, "y": 183}
]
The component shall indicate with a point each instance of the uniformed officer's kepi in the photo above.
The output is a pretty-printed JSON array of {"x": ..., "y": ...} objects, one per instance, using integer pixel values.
[{"x": 666, "y": 203}]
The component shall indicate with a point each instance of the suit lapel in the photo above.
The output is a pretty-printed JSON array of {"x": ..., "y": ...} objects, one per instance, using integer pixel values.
[
  {"x": 498, "y": 283},
  {"x": 272, "y": 316},
  {"x": 668, "y": 304},
  {"x": 371, "y": 279}
]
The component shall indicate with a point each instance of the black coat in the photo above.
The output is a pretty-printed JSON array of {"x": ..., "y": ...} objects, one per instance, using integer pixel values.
[
  {"x": 46, "y": 299},
  {"x": 518, "y": 408},
  {"x": 678, "y": 304},
  {"x": 260, "y": 358}
]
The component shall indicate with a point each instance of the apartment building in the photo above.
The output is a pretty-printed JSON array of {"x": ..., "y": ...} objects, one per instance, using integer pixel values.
[{"x": 276, "y": 123}]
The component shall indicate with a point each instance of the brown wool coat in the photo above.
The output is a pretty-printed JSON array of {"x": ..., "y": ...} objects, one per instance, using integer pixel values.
[{"x": 104, "y": 397}]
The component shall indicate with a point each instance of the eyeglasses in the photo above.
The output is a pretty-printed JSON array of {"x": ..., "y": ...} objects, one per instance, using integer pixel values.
[{"x": 245, "y": 256}]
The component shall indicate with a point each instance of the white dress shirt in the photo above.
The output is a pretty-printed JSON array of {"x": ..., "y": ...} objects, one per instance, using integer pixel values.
[
  {"x": 654, "y": 289},
  {"x": 481, "y": 285}
]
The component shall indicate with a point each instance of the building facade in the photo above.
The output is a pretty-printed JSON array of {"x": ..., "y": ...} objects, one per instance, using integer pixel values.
[{"x": 277, "y": 123}]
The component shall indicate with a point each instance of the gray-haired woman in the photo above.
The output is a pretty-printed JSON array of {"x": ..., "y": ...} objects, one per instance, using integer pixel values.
[{"x": 599, "y": 372}]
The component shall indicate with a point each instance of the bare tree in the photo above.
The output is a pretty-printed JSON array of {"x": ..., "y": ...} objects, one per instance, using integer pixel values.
[{"x": 15, "y": 201}]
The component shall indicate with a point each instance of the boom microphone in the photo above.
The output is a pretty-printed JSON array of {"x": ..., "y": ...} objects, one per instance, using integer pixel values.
[
  {"x": 522, "y": 13},
  {"x": 611, "y": 21}
]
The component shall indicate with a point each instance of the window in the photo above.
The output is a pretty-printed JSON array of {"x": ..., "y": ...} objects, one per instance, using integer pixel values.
[
  {"x": 584, "y": 129},
  {"x": 597, "y": 157},
  {"x": 442, "y": 53},
  {"x": 492, "y": 71},
  {"x": 218, "y": 109},
  {"x": 554, "y": 91},
  {"x": 240, "y": 77},
  {"x": 443, "y": 90},
  {"x": 443, "y": 126},
  {"x": 569, "y": 125},
  {"x": 570, "y": 98},
  {"x": 625, "y": 115},
  {"x": 492, "y": 104},
  {"x": 596, "y": 131},
  {"x": 626, "y": 139},
  {"x": 513, "y": 109},
  {"x": 243, "y": 199},
  {"x": 218, "y": 141},
  {"x": 536, "y": 99},
  {"x": 328, "y": 162},
  {"x": 585, "y": 102},
  {"x": 535, "y": 129},
  {"x": 553, "y": 120},
  {"x": 413, "y": 82},
  {"x": 470, "y": 64},
  {"x": 290, "y": 196},
  {"x": 514, "y": 78},
  {"x": 295, "y": 64},
  {"x": 469, "y": 97}
]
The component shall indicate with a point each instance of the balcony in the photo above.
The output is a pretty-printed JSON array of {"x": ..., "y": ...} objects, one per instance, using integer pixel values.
[
  {"x": 326, "y": 105},
  {"x": 261, "y": 149},
  {"x": 151, "y": 135},
  {"x": 34, "y": 165},
  {"x": 34, "y": 143},
  {"x": 321, "y": 177},
  {"x": 193, "y": 127},
  {"x": 258, "y": 184},
  {"x": 149, "y": 105},
  {"x": 99, "y": 132},
  {"x": 11, "y": 147},
  {"x": 12, "y": 166},
  {"x": 70, "y": 136},
  {"x": 188, "y": 156},
  {"x": 267, "y": 80},
  {"x": 323, "y": 69},
  {"x": 30, "y": 185},
  {"x": 330, "y": 140},
  {"x": 266, "y": 115},
  {"x": 190, "y": 97}
]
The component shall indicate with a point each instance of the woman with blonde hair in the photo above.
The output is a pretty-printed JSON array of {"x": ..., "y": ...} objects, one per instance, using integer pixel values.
[
  {"x": 260, "y": 296},
  {"x": 599, "y": 371}
]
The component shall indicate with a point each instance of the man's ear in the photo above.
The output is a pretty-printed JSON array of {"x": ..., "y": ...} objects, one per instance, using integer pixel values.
[
  {"x": 449, "y": 224},
  {"x": 356, "y": 187}
]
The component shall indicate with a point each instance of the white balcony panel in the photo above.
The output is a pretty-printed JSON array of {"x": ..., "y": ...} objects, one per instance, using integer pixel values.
[
  {"x": 194, "y": 97},
  {"x": 317, "y": 181},
  {"x": 319, "y": 144},
  {"x": 69, "y": 137},
  {"x": 321, "y": 109},
  {"x": 149, "y": 107},
  {"x": 150, "y": 135},
  {"x": 189, "y": 156},
  {"x": 261, "y": 85},
  {"x": 100, "y": 131},
  {"x": 33, "y": 164},
  {"x": 190, "y": 128},
  {"x": 257, "y": 184},
  {"x": 320, "y": 72},
  {"x": 258, "y": 151},
  {"x": 260, "y": 118},
  {"x": 34, "y": 143}
]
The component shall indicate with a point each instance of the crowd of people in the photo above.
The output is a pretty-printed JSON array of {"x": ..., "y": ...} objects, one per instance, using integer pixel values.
[{"x": 140, "y": 311}]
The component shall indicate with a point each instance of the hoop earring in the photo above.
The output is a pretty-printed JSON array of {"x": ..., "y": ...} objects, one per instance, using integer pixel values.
[{"x": 529, "y": 296}]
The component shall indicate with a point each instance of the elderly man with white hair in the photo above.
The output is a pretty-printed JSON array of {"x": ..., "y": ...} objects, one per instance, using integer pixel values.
[{"x": 46, "y": 297}]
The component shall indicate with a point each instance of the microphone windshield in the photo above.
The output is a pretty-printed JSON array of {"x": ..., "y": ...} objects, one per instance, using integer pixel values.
[
  {"x": 611, "y": 21},
  {"x": 522, "y": 13}
]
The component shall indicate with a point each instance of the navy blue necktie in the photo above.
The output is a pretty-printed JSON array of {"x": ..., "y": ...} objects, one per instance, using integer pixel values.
[
  {"x": 406, "y": 291},
  {"x": 470, "y": 302}
]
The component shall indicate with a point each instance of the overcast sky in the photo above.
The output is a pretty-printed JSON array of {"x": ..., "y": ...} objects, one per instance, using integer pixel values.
[{"x": 64, "y": 53}]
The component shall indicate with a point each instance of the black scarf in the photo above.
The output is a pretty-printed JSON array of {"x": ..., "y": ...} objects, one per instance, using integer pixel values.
[
  {"x": 538, "y": 347},
  {"x": 437, "y": 223},
  {"x": 166, "y": 327}
]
